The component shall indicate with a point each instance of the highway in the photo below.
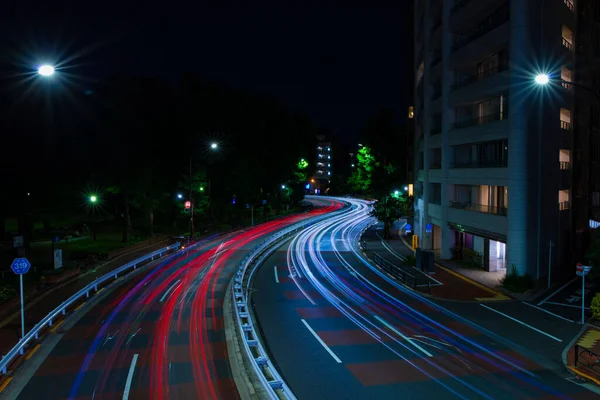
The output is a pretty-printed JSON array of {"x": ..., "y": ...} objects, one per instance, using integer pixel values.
[
  {"x": 160, "y": 335},
  {"x": 338, "y": 328}
]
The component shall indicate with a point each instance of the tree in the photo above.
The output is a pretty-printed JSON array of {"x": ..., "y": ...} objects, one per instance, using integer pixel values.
[
  {"x": 361, "y": 179},
  {"x": 386, "y": 210}
]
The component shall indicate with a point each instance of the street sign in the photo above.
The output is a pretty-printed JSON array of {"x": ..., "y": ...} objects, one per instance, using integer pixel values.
[
  {"x": 428, "y": 228},
  {"x": 408, "y": 228},
  {"x": 20, "y": 266},
  {"x": 583, "y": 270},
  {"x": 17, "y": 241},
  {"x": 58, "y": 259}
]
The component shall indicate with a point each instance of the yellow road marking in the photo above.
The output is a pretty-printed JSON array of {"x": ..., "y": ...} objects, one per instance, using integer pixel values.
[
  {"x": 28, "y": 356},
  {"x": 55, "y": 327},
  {"x": 577, "y": 372},
  {"x": 5, "y": 384},
  {"x": 79, "y": 306},
  {"x": 589, "y": 339}
]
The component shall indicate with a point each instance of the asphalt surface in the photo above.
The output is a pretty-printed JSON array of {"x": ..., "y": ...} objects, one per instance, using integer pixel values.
[
  {"x": 159, "y": 336},
  {"x": 337, "y": 328}
]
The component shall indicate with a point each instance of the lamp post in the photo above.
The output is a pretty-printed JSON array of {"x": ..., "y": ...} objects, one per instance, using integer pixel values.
[{"x": 46, "y": 70}]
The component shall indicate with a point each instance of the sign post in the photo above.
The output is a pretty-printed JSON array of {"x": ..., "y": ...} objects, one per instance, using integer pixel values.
[
  {"x": 582, "y": 271},
  {"x": 20, "y": 266}
]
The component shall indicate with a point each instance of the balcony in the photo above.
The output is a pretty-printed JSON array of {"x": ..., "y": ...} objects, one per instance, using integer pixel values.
[
  {"x": 435, "y": 166},
  {"x": 502, "y": 211},
  {"x": 485, "y": 119},
  {"x": 567, "y": 44},
  {"x": 481, "y": 75},
  {"x": 565, "y": 126},
  {"x": 569, "y": 4},
  {"x": 564, "y": 205},
  {"x": 564, "y": 165},
  {"x": 567, "y": 86},
  {"x": 482, "y": 164},
  {"x": 497, "y": 18}
]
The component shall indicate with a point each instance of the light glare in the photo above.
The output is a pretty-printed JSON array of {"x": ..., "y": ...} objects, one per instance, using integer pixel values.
[
  {"x": 46, "y": 70},
  {"x": 542, "y": 79}
]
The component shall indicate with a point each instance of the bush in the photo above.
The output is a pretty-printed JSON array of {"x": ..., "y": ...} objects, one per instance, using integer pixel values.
[
  {"x": 517, "y": 283},
  {"x": 6, "y": 293},
  {"x": 471, "y": 258},
  {"x": 595, "y": 307}
]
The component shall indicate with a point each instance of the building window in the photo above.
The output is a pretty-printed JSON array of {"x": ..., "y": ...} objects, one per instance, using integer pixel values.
[
  {"x": 565, "y": 119},
  {"x": 436, "y": 158},
  {"x": 563, "y": 199},
  {"x": 566, "y": 76},
  {"x": 570, "y": 4},
  {"x": 567, "y": 38},
  {"x": 564, "y": 159},
  {"x": 411, "y": 112}
]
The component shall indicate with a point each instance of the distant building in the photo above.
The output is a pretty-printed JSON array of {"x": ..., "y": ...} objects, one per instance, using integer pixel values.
[
  {"x": 323, "y": 162},
  {"x": 499, "y": 159}
]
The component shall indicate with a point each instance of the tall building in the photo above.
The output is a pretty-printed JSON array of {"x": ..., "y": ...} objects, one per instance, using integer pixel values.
[
  {"x": 323, "y": 163},
  {"x": 494, "y": 150}
]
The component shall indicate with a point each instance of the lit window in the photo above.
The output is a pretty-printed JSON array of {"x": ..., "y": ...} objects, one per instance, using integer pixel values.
[{"x": 411, "y": 112}]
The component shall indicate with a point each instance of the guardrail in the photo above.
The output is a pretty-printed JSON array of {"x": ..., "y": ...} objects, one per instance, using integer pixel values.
[
  {"x": 33, "y": 334},
  {"x": 398, "y": 272},
  {"x": 266, "y": 371}
]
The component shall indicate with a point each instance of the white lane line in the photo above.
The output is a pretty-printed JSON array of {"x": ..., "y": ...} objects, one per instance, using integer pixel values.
[
  {"x": 130, "y": 377},
  {"x": 556, "y": 291},
  {"x": 164, "y": 296},
  {"x": 565, "y": 305},
  {"x": 336, "y": 358},
  {"x": 522, "y": 323},
  {"x": 547, "y": 312},
  {"x": 409, "y": 340},
  {"x": 276, "y": 275}
]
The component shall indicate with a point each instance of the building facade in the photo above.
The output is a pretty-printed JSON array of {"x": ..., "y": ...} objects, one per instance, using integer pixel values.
[
  {"x": 494, "y": 150},
  {"x": 323, "y": 164}
]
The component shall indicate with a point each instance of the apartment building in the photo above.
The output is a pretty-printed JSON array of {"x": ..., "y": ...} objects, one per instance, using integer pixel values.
[
  {"x": 494, "y": 150},
  {"x": 323, "y": 164}
]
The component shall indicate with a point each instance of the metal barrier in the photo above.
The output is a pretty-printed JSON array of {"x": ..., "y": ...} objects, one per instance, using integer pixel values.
[
  {"x": 85, "y": 292},
  {"x": 398, "y": 272},
  {"x": 266, "y": 371}
]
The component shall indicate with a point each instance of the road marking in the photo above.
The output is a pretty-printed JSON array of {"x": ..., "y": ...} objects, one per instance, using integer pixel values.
[
  {"x": 547, "y": 312},
  {"x": 164, "y": 296},
  {"x": 522, "y": 323},
  {"x": 99, "y": 291},
  {"x": 409, "y": 340},
  {"x": 132, "y": 335},
  {"x": 32, "y": 352},
  {"x": 276, "y": 276},
  {"x": 79, "y": 306},
  {"x": 5, "y": 384},
  {"x": 130, "y": 377},
  {"x": 336, "y": 358},
  {"x": 556, "y": 291},
  {"x": 564, "y": 305},
  {"x": 55, "y": 327}
]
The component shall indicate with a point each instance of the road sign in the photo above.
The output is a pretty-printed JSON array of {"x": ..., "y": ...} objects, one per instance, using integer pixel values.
[
  {"x": 583, "y": 270},
  {"x": 20, "y": 266},
  {"x": 17, "y": 241},
  {"x": 428, "y": 228}
]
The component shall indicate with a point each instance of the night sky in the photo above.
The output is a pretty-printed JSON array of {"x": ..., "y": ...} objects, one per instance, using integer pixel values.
[{"x": 336, "y": 61}]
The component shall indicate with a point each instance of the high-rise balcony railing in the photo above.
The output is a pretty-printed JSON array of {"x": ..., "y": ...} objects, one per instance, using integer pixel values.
[
  {"x": 564, "y": 125},
  {"x": 493, "y": 21},
  {"x": 567, "y": 44},
  {"x": 570, "y": 4},
  {"x": 481, "y": 164},
  {"x": 564, "y": 205},
  {"x": 484, "y": 119},
  {"x": 479, "y": 208},
  {"x": 481, "y": 75},
  {"x": 564, "y": 165}
]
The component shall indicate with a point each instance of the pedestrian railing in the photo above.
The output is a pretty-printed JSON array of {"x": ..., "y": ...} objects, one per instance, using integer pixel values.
[
  {"x": 270, "y": 379},
  {"x": 84, "y": 293},
  {"x": 398, "y": 273}
]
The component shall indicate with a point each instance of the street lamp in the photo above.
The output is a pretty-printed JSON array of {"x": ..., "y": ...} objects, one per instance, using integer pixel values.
[
  {"x": 405, "y": 188},
  {"x": 282, "y": 186},
  {"x": 93, "y": 199},
  {"x": 180, "y": 196},
  {"x": 542, "y": 79},
  {"x": 46, "y": 70},
  {"x": 396, "y": 192},
  {"x": 214, "y": 145}
]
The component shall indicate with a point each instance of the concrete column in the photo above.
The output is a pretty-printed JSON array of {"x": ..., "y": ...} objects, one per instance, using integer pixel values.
[
  {"x": 520, "y": 191},
  {"x": 425, "y": 238},
  {"x": 486, "y": 254}
]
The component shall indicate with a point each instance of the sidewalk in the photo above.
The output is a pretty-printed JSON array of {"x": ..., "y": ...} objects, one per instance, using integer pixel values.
[
  {"x": 583, "y": 356},
  {"x": 40, "y": 303},
  {"x": 444, "y": 284}
]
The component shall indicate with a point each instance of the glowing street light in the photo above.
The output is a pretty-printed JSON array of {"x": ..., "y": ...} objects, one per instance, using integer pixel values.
[
  {"x": 93, "y": 199},
  {"x": 46, "y": 70},
  {"x": 542, "y": 79},
  {"x": 396, "y": 192},
  {"x": 405, "y": 187},
  {"x": 214, "y": 145},
  {"x": 202, "y": 188},
  {"x": 180, "y": 196},
  {"x": 283, "y": 186}
]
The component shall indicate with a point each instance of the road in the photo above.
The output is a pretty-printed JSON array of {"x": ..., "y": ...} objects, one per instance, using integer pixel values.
[
  {"x": 159, "y": 336},
  {"x": 338, "y": 328}
]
